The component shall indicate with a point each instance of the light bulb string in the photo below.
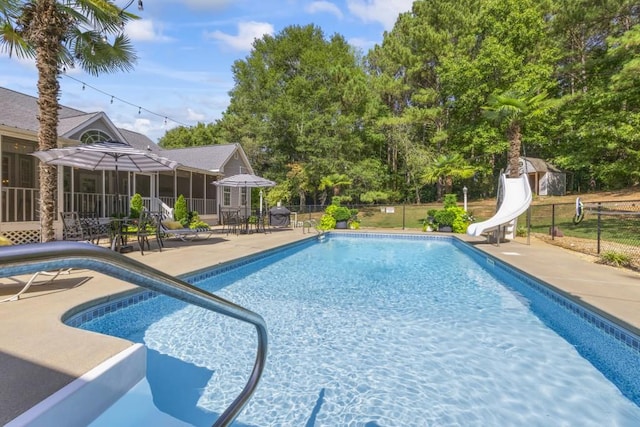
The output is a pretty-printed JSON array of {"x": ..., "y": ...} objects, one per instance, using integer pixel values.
[{"x": 114, "y": 97}]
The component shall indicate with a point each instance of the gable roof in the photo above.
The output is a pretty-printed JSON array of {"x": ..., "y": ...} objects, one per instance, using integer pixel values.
[
  {"x": 140, "y": 141},
  {"x": 20, "y": 111},
  {"x": 208, "y": 157},
  {"x": 535, "y": 164}
]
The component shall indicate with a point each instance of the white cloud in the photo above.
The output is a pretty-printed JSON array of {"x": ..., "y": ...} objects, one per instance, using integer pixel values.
[
  {"x": 361, "y": 43},
  {"x": 383, "y": 11},
  {"x": 247, "y": 33},
  {"x": 193, "y": 116},
  {"x": 142, "y": 126},
  {"x": 199, "y": 4},
  {"x": 324, "y": 6},
  {"x": 145, "y": 30}
]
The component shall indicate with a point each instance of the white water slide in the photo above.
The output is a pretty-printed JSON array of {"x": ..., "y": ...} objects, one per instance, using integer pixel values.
[{"x": 515, "y": 201}]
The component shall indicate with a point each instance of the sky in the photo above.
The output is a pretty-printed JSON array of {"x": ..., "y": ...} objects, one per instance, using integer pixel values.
[{"x": 186, "y": 49}]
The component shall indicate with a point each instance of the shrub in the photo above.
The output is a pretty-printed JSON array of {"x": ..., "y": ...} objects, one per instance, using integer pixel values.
[
  {"x": 195, "y": 221},
  {"x": 616, "y": 259},
  {"x": 135, "y": 206},
  {"x": 180, "y": 212},
  {"x": 444, "y": 218},
  {"x": 451, "y": 216},
  {"x": 327, "y": 222},
  {"x": 338, "y": 212},
  {"x": 341, "y": 213},
  {"x": 522, "y": 231},
  {"x": 450, "y": 201}
]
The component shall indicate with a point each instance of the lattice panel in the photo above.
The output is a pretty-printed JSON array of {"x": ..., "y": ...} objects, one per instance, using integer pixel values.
[{"x": 19, "y": 237}]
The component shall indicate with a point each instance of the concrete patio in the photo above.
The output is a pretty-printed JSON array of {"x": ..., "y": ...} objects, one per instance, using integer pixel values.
[{"x": 39, "y": 355}]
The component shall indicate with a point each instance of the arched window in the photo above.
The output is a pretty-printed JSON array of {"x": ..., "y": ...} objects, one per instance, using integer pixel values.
[{"x": 93, "y": 136}]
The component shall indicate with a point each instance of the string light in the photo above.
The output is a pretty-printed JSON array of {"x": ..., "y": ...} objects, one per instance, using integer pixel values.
[{"x": 140, "y": 109}]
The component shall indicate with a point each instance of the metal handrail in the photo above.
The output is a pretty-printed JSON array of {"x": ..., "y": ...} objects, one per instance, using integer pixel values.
[{"x": 24, "y": 259}]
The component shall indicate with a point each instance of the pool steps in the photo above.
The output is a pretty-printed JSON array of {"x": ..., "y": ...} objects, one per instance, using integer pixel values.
[{"x": 24, "y": 259}]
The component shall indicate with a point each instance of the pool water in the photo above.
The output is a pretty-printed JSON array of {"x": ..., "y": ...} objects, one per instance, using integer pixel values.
[{"x": 381, "y": 332}]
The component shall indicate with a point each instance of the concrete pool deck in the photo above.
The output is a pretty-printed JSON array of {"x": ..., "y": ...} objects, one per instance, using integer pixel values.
[{"x": 39, "y": 355}]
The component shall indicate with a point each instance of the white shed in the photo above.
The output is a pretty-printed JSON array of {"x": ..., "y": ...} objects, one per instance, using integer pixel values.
[{"x": 544, "y": 178}]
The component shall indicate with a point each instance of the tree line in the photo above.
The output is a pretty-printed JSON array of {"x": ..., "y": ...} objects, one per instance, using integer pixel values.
[{"x": 456, "y": 91}]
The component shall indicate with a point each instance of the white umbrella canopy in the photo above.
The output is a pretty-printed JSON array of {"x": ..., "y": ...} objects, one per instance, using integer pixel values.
[
  {"x": 246, "y": 180},
  {"x": 110, "y": 155}
]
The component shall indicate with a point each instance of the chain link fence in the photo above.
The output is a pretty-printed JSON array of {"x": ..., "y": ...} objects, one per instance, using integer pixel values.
[{"x": 608, "y": 228}]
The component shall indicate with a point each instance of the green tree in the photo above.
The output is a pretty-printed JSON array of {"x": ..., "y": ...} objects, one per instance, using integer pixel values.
[
  {"x": 334, "y": 182},
  {"x": 301, "y": 98},
  {"x": 200, "y": 134},
  {"x": 512, "y": 110},
  {"x": 444, "y": 169},
  {"x": 59, "y": 35}
]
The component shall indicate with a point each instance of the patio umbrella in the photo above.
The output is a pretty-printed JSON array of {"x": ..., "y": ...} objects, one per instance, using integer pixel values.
[
  {"x": 246, "y": 180},
  {"x": 110, "y": 155}
]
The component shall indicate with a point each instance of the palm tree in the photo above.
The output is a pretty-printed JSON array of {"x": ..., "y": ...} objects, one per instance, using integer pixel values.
[
  {"x": 335, "y": 182},
  {"x": 513, "y": 109},
  {"x": 444, "y": 169},
  {"x": 59, "y": 35}
]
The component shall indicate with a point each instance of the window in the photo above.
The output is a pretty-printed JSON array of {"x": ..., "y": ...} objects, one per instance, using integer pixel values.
[
  {"x": 226, "y": 196},
  {"x": 93, "y": 136},
  {"x": 243, "y": 196}
]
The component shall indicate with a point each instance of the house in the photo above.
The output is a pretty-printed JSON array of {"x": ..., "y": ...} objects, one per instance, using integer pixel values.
[
  {"x": 94, "y": 191},
  {"x": 544, "y": 178}
]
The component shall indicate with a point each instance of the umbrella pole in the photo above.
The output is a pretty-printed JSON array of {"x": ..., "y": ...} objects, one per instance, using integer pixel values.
[{"x": 117, "y": 191}]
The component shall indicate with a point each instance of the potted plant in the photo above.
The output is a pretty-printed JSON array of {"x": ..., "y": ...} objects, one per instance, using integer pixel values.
[
  {"x": 341, "y": 214},
  {"x": 336, "y": 216},
  {"x": 444, "y": 219}
]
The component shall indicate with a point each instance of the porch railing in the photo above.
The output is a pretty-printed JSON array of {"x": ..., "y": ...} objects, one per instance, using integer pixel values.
[{"x": 20, "y": 204}]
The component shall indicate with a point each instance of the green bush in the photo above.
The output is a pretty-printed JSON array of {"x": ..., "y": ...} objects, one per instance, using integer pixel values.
[
  {"x": 195, "y": 221},
  {"x": 616, "y": 259},
  {"x": 327, "y": 222},
  {"x": 135, "y": 206},
  {"x": 444, "y": 218},
  {"x": 452, "y": 216},
  {"x": 180, "y": 212},
  {"x": 450, "y": 201},
  {"x": 342, "y": 213},
  {"x": 338, "y": 212}
]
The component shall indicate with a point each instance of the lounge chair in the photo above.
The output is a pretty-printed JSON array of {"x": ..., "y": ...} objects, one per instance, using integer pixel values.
[
  {"x": 32, "y": 280},
  {"x": 175, "y": 229}
]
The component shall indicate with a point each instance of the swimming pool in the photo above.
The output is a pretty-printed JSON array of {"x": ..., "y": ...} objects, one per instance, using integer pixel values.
[{"x": 384, "y": 331}]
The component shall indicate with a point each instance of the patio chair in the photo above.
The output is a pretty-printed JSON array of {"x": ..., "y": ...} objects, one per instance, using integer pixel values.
[
  {"x": 145, "y": 226},
  {"x": 72, "y": 227},
  {"x": 93, "y": 227},
  {"x": 231, "y": 221},
  {"x": 52, "y": 274}
]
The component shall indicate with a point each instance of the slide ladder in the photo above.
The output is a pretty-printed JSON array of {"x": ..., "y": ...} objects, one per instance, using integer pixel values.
[{"x": 516, "y": 199}]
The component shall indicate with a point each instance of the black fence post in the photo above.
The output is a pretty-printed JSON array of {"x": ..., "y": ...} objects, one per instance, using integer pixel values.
[
  {"x": 553, "y": 221},
  {"x": 599, "y": 228},
  {"x": 403, "y": 215}
]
